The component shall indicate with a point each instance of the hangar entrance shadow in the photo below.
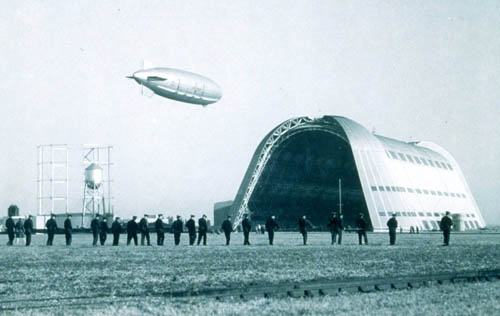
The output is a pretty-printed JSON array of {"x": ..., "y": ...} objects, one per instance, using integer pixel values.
[{"x": 302, "y": 178}]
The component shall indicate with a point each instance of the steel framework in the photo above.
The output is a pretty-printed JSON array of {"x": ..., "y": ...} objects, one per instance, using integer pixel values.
[
  {"x": 97, "y": 200},
  {"x": 53, "y": 161}
]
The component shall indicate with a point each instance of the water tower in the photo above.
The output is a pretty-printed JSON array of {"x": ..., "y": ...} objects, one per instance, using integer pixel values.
[{"x": 97, "y": 183}]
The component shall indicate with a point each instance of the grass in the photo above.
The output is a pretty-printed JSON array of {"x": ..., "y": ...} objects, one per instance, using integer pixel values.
[{"x": 40, "y": 271}]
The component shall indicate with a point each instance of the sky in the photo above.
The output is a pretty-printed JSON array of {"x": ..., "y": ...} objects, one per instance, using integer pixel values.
[{"x": 410, "y": 70}]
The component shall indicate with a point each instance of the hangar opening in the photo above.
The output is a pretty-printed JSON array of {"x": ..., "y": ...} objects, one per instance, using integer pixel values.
[{"x": 302, "y": 178}]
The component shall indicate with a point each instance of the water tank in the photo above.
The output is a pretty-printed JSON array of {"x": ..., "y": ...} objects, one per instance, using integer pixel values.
[
  {"x": 458, "y": 223},
  {"x": 93, "y": 176}
]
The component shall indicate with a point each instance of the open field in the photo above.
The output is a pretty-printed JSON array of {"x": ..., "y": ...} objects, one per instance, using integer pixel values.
[{"x": 82, "y": 270}]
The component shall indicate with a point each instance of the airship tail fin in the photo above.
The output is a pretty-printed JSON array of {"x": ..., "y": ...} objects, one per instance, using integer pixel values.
[{"x": 146, "y": 64}]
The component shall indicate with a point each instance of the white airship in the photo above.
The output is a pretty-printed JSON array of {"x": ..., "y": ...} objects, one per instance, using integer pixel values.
[{"x": 179, "y": 85}]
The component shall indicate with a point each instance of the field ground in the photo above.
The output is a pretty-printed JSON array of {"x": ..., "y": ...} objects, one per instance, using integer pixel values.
[{"x": 38, "y": 272}]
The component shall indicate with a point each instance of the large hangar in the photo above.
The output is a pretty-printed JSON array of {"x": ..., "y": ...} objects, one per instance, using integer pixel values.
[{"x": 312, "y": 167}]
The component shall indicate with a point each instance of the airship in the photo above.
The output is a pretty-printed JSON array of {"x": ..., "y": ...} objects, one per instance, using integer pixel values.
[{"x": 179, "y": 85}]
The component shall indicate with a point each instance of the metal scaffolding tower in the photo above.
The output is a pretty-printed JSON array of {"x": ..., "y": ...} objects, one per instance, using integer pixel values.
[
  {"x": 53, "y": 190},
  {"x": 97, "y": 199}
]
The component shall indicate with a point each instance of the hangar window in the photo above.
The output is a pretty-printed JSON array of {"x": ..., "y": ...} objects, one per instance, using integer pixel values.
[
  {"x": 410, "y": 190},
  {"x": 429, "y": 214},
  {"x": 436, "y": 214},
  {"x": 387, "y": 153},
  {"x": 398, "y": 213},
  {"x": 374, "y": 188},
  {"x": 468, "y": 215},
  {"x": 465, "y": 196},
  {"x": 473, "y": 215},
  {"x": 449, "y": 167},
  {"x": 446, "y": 194},
  {"x": 381, "y": 213},
  {"x": 417, "y": 160},
  {"x": 433, "y": 192},
  {"x": 466, "y": 225},
  {"x": 439, "y": 193},
  {"x": 443, "y": 165},
  {"x": 434, "y": 225},
  {"x": 402, "y": 156},
  {"x": 425, "y": 162},
  {"x": 418, "y": 191},
  {"x": 402, "y": 189},
  {"x": 426, "y": 225},
  {"x": 477, "y": 224},
  {"x": 393, "y": 189},
  {"x": 393, "y": 155},
  {"x": 426, "y": 192},
  {"x": 431, "y": 163},
  {"x": 405, "y": 214},
  {"x": 452, "y": 194},
  {"x": 409, "y": 158},
  {"x": 381, "y": 188},
  {"x": 387, "y": 188},
  {"x": 421, "y": 214}
]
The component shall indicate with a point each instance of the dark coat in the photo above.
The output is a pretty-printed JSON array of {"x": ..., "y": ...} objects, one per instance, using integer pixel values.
[
  {"x": 271, "y": 225},
  {"x": 132, "y": 227},
  {"x": 159, "y": 226},
  {"x": 177, "y": 226},
  {"x": 68, "y": 228},
  {"x": 19, "y": 226},
  {"x": 103, "y": 227},
  {"x": 246, "y": 225},
  {"x": 10, "y": 225},
  {"x": 51, "y": 226},
  {"x": 392, "y": 223},
  {"x": 361, "y": 224},
  {"x": 94, "y": 226},
  {"x": 303, "y": 223},
  {"x": 191, "y": 226},
  {"x": 143, "y": 225},
  {"x": 446, "y": 224},
  {"x": 335, "y": 224},
  {"x": 116, "y": 227},
  {"x": 28, "y": 226},
  {"x": 227, "y": 227},
  {"x": 202, "y": 225}
]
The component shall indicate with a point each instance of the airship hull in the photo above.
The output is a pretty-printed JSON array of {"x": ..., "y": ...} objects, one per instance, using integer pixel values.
[{"x": 179, "y": 85}]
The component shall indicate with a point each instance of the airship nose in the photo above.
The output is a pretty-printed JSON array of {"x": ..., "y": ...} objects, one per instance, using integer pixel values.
[{"x": 138, "y": 76}]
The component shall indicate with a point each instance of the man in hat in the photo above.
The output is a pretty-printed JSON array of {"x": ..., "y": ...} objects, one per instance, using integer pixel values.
[
  {"x": 160, "y": 230},
  {"x": 247, "y": 227},
  {"x": 361, "y": 226},
  {"x": 10, "y": 225},
  {"x": 94, "y": 227},
  {"x": 445, "y": 226},
  {"x": 271, "y": 226},
  {"x": 303, "y": 224},
  {"x": 191, "y": 226},
  {"x": 51, "y": 229},
  {"x": 177, "y": 228},
  {"x": 227, "y": 228},
  {"x": 132, "y": 230},
  {"x": 68, "y": 230},
  {"x": 144, "y": 229},
  {"x": 28, "y": 229},
  {"x": 392, "y": 224},
  {"x": 103, "y": 231},
  {"x": 336, "y": 227},
  {"x": 116, "y": 229},
  {"x": 202, "y": 230}
]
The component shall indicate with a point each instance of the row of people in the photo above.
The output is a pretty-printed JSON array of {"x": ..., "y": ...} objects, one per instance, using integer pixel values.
[{"x": 100, "y": 229}]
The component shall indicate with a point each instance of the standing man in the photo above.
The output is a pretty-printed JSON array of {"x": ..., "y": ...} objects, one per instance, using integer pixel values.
[
  {"x": 303, "y": 223},
  {"x": 361, "y": 226},
  {"x": 28, "y": 229},
  {"x": 227, "y": 228},
  {"x": 116, "y": 229},
  {"x": 68, "y": 230},
  {"x": 177, "y": 228},
  {"x": 247, "y": 227},
  {"x": 445, "y": 226},
  {"x": 202, "y": 230},
  {"x": 94, "y": 227},
  {"x": 103, "y": 231},
  {"x": 51, "y": 229},
  {"x": 132, "y": 230},
  {"x": 10, "y": 225},
  {"x": 191, "y": 226},
  {"x": 144, "y": 229},
  {"x": 160, "y": 230},
  {"x": 336, "y": 227},
  {"x": 271, "y": 226},
  {"x": 392, "y": 223}
]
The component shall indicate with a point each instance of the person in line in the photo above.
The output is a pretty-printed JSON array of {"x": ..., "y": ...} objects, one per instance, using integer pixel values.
[
  {"x": 68, "y": 230},
  {"x": 144, "y": 229},
  {"x": 271, "y": 226},
  {"x": 177, "y": 228},
  {"x": 392, "y": 224},
  {"x": 19, "y": 232},
  {"x": 445, "y": 225},
  {"x": 11, "y": 228},
  {"x": 94, "y": 227},
  {"x": 202, "y": 230},
  {"x": 336, "y": 227},
  {"x": 303, "y": 224},
  {"x": 246, "y": 224},
  {"x": 361, "y": 227},
  {"x": 160, "y": 230},
  {"x": 28, "y": 229},
  {"x": 103, "y": 231},
  {"x": 116, "y": 229},
  {"x": 132, "y": 228},
  {"x": 227, "y": 228},
  {"x": 51, "y": 226},
  {"x": 191, "y": 226}
]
